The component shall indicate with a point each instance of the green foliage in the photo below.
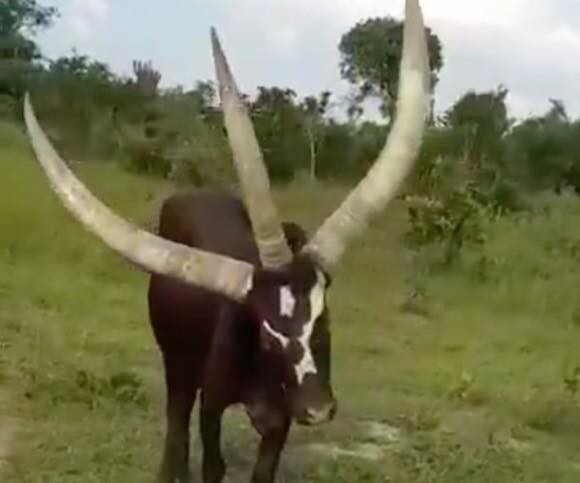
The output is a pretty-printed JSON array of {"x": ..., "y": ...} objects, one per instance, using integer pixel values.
[
  {"x": 19, "y": 21},
  {"x": 461, "y": 177},
  {"x": 180, "y": 140},
  {"x": 11, "y": 136},
  {"x": 371, "y": 55},
  {"x": 278, "y": 122},
  {"x": 8, "y": 107},
  {"x": 450, "y": 222},
  {"x": 482, "y": 120},
  {"x": 16, "y": 15},
  {"x": 336, "y": 154},
  {"x": 78, "y": 99},
  {"x": 545, "y": 151}
]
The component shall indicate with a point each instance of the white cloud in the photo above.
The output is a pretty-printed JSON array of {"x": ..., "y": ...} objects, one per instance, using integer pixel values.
[{"x": 85, "y": 16}]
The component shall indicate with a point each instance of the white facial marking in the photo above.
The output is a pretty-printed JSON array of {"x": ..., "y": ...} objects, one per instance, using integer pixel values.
[
  {"x": 287, "y": 302},
  {"x": 249, "y": 286},
  {"x": 306, "y": 364},
  {"x": 284, "y": 341}
]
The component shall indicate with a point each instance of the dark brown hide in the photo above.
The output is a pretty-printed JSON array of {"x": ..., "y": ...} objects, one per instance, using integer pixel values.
[{"x": 216, "y": 348}]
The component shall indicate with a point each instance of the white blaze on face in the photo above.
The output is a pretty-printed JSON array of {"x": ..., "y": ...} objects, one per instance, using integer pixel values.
[
  {"x": 307, "y": 365},
  {"x": 281, "y": 338},
  {"x": 287, "y": 302}
]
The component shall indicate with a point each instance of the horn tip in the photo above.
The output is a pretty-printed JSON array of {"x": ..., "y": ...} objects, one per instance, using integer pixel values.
[
  {"x": 215, "y": 41},
  {"x": 416, "y": 37},
  {"x": 414, "y": 15}
]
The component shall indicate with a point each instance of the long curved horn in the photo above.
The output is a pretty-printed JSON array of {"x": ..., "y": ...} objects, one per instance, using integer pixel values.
[
  {"x": 381, "y": 183},
  {"x": 151, "y": 253},
  {"x": 274, "y": 250}
]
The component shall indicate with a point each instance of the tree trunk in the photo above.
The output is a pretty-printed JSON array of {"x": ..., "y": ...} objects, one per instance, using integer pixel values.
[{"x": 312, "y": 145}]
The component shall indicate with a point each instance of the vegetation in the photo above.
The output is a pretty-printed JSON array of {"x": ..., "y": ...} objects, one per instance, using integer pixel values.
[
  {"x": 482, "y": 387},
  {"x": 371, "y": 54},
  {"x": 471, "y": 336}
]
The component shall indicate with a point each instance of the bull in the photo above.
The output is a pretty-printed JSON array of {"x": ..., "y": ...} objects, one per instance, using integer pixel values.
[{"x": 237, "y": 299}]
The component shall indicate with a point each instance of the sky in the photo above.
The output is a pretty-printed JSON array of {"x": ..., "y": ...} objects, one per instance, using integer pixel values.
[{"x": 530, "y": 46}]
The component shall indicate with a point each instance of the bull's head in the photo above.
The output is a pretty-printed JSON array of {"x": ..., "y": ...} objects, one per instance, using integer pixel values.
[{"x": 287, "y": 292}]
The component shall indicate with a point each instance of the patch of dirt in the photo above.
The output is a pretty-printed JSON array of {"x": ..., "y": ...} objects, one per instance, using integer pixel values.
[
  {"x": 473, "y": 428},
  {"x": 376, "y": 439},
  {"x": 382, "y": 432},
  {"x": 515, "y": 444},
  {"x": 365, "y": 451},
  {"x": 477, "y": 428}
]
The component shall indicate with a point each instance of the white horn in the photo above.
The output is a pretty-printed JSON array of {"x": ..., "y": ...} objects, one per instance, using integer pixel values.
[
  {"x": 385, "y": 177},
  {"x": 273, "y": 248},
  {"x": 151, "y": 253}
]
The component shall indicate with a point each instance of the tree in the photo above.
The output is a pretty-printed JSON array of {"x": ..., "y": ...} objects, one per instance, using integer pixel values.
[
  {"x": 19, "y": 21},
  {"x": 19, "y": 15},
  {"x": 279, "y": 126},
  {"x": 545, "y": 150},
  {"x": 204, "y": 96},
  {"x": 371, "y": 55},
  {"x": 148, "y": 78},
  {"x": 481, "y": 120},
  {"x": 313, "y": 111}
]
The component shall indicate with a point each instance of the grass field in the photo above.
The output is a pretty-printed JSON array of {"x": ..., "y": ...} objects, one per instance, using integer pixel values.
[{"x": 479, "y": 386}]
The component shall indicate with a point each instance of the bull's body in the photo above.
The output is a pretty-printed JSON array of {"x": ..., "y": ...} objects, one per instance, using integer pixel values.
[{"x": 210, "y": 344}]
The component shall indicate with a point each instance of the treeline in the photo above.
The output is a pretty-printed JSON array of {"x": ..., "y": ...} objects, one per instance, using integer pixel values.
[
  {"x": 475, "y": 157},
  {"x": 91, "y": 112}
]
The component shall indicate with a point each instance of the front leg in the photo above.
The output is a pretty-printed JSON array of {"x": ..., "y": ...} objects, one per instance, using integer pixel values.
[
  {"x": 182, "y": 385},
  {"x": 272, "y": 422},
  {"x": 213, "y": 464},
  {"x": 271, "y": 447}
]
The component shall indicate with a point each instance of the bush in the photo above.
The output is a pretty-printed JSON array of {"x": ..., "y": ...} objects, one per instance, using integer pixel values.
[
  {"x": 8, "y": 107},
  {"x": 448, "y": 223}
]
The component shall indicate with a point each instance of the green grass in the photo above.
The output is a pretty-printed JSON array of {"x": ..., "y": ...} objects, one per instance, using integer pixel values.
[{"x": 481, "y": 388}]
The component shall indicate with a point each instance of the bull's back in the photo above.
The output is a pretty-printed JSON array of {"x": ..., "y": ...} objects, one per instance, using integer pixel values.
[
  {"x": 215, "y": 223},
  {"x": 183, "y": 314}
]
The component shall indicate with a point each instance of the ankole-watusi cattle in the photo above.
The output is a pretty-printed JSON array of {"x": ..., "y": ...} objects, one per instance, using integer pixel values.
[{"x": 237, "y": 300}]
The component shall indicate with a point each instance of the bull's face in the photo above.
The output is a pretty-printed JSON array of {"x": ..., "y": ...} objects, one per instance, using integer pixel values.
[{"x": 290, "y": 307}]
